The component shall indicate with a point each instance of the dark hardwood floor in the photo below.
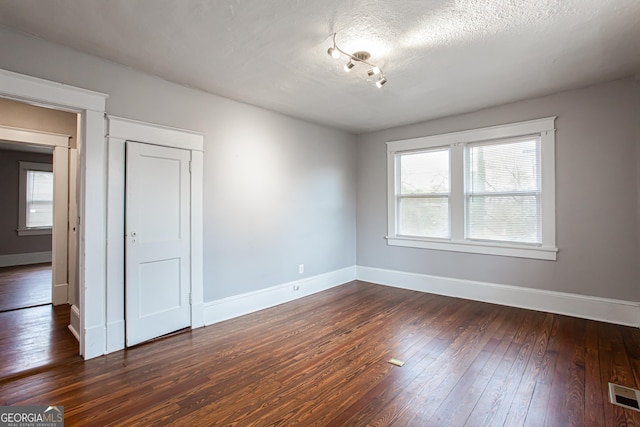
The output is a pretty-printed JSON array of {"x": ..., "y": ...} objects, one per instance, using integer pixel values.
[
  {"x": 34, "y": 335},
  {"x": 25, "y": 286},
  {"x": 33, "y": 339},
  {"x": 322, "y": 361}
]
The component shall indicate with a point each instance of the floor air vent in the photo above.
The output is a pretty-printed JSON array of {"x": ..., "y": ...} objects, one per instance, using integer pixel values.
[{"x": 624, "y": 396}]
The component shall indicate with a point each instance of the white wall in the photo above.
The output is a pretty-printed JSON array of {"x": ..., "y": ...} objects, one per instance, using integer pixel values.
[
  {"x": 278, "y": 191},
  {"x": 598, "y": 213}
]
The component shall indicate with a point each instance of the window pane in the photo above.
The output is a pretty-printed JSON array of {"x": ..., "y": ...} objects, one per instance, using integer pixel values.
[
  {"x": 425, "y": 172},
  {"x": 426, "y": 217},
  {"x": 503, "y": 218},
  {"x": 39, "y": 199},
  {"x": 504, "y": 167}
]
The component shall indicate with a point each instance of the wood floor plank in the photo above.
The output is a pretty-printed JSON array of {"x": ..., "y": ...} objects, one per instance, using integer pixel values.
[
  {"x": 493, "y": 406},
  {"x": 34, "y": 337},
  {"x": 459, "y": 402},
  {"x": 523, "y": 396},
  {"x": 25, "y": 286},
  {"x": 537, "y": 412},
  {"x": 470, "y": 399},
  {"x": 322, "y": 361},
  {"x": 454, "y": 374},
  {"x": 595, "y": 393},
  {"x": 566, "y": 402}
]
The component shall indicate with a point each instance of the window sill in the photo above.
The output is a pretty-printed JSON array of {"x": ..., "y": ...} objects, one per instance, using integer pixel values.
[
  {"x": 533, "y": 252},
  {"x": 34, "y": 231}
]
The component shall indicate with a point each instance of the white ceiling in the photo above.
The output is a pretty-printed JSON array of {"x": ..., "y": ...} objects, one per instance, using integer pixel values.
[{"x": 441, "y": 57}]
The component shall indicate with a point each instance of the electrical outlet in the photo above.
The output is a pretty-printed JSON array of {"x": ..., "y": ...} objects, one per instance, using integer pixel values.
[
  {"x": 296, "y": 287},
  {"x": 301, "y": 268}
]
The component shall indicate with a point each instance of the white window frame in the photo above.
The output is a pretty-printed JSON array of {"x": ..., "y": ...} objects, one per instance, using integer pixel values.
[
  {"x": 457, "y": 141},
  {"x": 25, "y": 167}
]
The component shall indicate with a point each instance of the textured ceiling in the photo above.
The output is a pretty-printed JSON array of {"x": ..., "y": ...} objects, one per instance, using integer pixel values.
[{"x": 441, "y": 57}]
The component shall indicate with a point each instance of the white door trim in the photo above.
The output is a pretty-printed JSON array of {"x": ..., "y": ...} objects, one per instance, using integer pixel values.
[
  {"x": 31, "y": 136},
  {"x": 121, "y": 130},
  {"x": 91, "y": 107}
]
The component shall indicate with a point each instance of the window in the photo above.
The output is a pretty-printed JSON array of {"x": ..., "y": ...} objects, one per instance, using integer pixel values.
[
  {"x": 489, "y": 191},
  {"x": 35, "y": 205},
  {"x": 423, "y": 193}
]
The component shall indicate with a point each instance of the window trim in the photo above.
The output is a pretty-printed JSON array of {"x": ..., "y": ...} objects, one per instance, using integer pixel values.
[
  {"x": 23, "y": 230},
  {"x": 543, "y": 128}
]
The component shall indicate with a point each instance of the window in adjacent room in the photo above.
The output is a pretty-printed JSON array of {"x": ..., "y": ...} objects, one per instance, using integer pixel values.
[
  {"x": 35, "y": 213},
  {"x": 489, "y": 191}
]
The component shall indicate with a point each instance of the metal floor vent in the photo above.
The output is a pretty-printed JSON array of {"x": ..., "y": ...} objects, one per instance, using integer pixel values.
[{"x": 624, "y": 396}]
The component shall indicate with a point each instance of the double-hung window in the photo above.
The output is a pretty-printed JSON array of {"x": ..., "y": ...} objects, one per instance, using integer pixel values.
[
  {"x": 35, "y": 204},
  {"x": 489, "y": 191}
]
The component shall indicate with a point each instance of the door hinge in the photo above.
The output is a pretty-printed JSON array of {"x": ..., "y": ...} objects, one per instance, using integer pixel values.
[
  {"x": 190, "y": 166},
  {"x": 190, "y": 299}
]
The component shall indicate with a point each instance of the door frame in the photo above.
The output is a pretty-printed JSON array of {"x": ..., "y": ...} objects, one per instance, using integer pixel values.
[
  {"x": 59, "y": 145},
  {"x": 90, "y": 314},
  {"x": 121, "y": 130}
]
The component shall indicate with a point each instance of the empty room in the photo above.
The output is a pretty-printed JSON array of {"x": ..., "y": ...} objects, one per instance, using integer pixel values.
[{"x": 287, "y": 212}]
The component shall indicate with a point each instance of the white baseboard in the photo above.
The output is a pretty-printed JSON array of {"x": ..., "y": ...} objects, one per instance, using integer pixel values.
[
  {"x": 60, "y": 294},
  {"x": 239, "y": 305},
  {"x": 94, "y": 342},
  {"x": 587, "y": 307},
  {"x": 25, "y": 259},
  {"x": 74, "y": 326},
  {"x": 197, "y": 315}
]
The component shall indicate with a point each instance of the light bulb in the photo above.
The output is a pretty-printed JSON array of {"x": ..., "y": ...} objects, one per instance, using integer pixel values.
[
  {"x": 381, "y": 81},
  {"x": 373, "y": 71},
  {"x": 333, "y": 52},
  {"x": 348, "y": 66}
]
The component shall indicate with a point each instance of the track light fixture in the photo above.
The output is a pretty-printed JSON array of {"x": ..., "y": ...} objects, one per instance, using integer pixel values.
[{"x": 361, "y": 56}]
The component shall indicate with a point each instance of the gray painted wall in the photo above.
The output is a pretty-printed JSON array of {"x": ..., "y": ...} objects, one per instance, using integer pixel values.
[
  {"x": 278, "y": 191},
  {"x": 10, "y": 242},
  {"x": 598, "y": 218}
]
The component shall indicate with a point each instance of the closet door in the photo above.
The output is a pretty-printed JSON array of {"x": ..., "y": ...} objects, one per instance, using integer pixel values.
[{"x": 157, "y": 248}]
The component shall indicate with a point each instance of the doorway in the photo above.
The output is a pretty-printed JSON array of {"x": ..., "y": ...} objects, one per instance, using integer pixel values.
[
  {"x": 88, "y": 312},
  {"x": 35, "y": 224},
  {"x": 37, "y": 233},
  {"x": 26, "y": 220}
]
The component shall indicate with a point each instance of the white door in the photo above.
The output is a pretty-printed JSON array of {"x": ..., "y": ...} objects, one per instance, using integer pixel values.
[{"x": 157, "y": 279}]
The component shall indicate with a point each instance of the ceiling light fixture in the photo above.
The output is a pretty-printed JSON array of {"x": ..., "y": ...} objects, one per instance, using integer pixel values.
[{"x": 361, "y": 56}]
